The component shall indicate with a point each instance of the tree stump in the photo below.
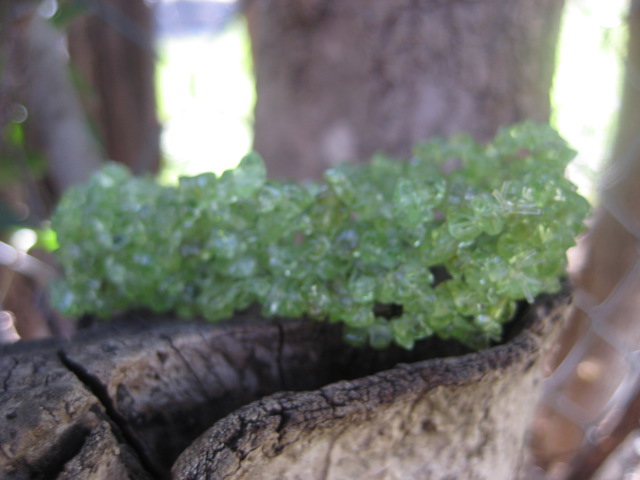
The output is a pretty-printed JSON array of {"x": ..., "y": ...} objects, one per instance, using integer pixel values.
[{"x": 280, "y": 399}]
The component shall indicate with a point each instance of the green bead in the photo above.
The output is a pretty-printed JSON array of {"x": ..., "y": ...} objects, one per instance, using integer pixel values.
[
  {"x": 413, "y": 201},
  {"x": 346, "y": 243},
  {"x": 316, "y": 248},
  {"x": 358, "y": 337},
  {"x": 410, "y": 328},
  {"x": 361, "y": 318},
  {"x": 269, "y": 198},
  {"x": 488, "y": 214},
  {"x": 362, "y": 288},
  {"x": 225, "y": 244},
  {"x": 462, "y": 226},
  {"x": 380, "y": 335},
  {"x": 283, "y": 262},
  {"x": 339, "y": 179},
  {"x": 318, "y": 299},
  {"x": 249, "y": 176},
  {"x": 439, "y": 246},
  {"x": 489, "y": 326},
  {"x": 243, "y": 267}
]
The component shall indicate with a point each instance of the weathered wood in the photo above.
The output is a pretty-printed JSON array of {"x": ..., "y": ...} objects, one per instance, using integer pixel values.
[
  {"x": 51, "y": 426},
  {"x": 158, "y": 384},
  {"x": 460, "y": 417},
  {"x": 124, "y": 400}
]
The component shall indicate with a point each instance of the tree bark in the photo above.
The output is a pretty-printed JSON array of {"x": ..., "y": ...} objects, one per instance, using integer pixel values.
[
  {"x": 112, "y": 49},
  {"x": 338, "y": 81},
  {"x": 124, "y": 400},
  {"x": 611, "y": 244}
]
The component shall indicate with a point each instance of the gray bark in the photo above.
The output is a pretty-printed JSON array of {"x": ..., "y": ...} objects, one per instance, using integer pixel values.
[
  {"x": 57, "y": 121},
  {"x": 124, "y": 400},
  {"x": 113, "y": 51},
  {"x": 338, "y": 81}
]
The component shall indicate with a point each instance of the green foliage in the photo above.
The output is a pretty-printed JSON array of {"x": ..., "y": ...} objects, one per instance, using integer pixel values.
[{"x": 443, "y": 244}]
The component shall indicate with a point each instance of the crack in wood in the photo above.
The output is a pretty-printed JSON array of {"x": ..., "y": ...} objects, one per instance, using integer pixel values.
[
  {"x": 63, "y": 451},
  {"x": 186, "y": 362},
  {"x": 324, "y": 475},
  {"x": 5, "y": 382},
  {"x": 279, "y": 357},
  {"x": 6, "y": 454},
  {"x": 118, "y": 422}
]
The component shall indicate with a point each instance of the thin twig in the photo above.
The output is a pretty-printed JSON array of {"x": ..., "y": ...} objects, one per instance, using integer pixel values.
[{"x": 26, "y": 264}]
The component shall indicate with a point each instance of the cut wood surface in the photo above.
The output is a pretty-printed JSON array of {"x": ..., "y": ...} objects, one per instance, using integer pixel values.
[{"x": 281, "y": 399}]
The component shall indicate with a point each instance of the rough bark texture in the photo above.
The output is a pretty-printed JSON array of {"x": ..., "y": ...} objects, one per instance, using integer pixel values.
[
  {"x": 52, "y": 426},
  {"x": 463, "y": 417},
  {"x": 112, "y": 49},
  {"x": 339, "y": 80},
  {"x": 162, "y": 384},
  {"x": 124, "y": 400}
]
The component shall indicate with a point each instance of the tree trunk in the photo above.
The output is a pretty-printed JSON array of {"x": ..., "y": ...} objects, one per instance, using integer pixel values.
[
  {"x": 611, "y": 247},
  {"x": 124, "y": 400},
  {"x": 113, "y": 50},
  {"x": 36, "y": 76},
  {"x": 57, "y": 123},
  {"x": 338, "y": 81}
]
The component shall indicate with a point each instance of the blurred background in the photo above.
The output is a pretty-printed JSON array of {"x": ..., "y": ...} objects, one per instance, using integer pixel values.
[{"x": 167, "y": 87}]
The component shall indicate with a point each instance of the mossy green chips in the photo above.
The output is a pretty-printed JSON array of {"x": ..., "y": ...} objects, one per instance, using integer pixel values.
[{"x": 447, "y": 241}]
